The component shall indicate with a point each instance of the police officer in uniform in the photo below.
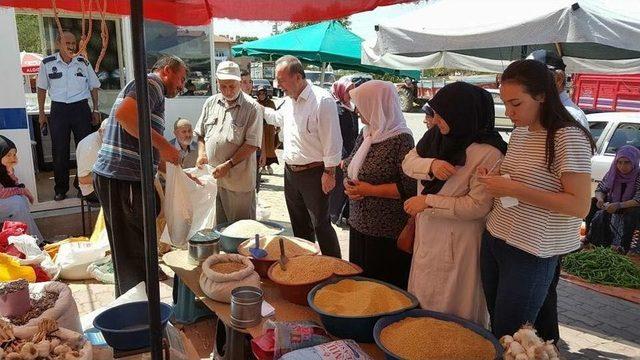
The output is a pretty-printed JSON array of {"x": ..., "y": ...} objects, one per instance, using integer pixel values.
[{"x": 70, "y": 82}]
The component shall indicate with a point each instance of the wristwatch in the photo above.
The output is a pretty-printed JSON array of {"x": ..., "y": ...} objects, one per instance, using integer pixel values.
[{"x": 330, "y": 171}]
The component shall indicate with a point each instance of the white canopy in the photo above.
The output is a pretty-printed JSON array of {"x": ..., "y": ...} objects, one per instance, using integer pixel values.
[{"x": 591, "y": 35}]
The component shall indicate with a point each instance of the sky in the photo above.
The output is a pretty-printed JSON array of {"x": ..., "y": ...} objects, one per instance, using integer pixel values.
[{"x": 362, "y": 24}]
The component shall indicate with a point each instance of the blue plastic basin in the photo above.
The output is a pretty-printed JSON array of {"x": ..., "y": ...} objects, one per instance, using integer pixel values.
[
  {"x": 230, "y": 244},
  {"x": 388, "y": 320},
  {"x": 126, "y": 326},
  {"x": 358, "y": 328}
]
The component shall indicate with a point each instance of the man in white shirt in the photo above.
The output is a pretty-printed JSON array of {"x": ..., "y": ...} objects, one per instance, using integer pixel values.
[
  {"x": 86, "y": 155},
  {"x": 312, "y": 150}
]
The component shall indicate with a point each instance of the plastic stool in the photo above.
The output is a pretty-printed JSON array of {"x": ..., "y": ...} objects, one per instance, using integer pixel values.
[{"x": 186, "y": 309}]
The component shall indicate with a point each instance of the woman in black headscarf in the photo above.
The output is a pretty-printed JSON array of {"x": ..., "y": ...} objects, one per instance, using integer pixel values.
[
  {"x": 451, "y": 208},
  {"x": 14, "y": 197}
]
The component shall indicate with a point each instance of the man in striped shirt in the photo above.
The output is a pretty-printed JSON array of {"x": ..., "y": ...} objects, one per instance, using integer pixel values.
[{"x": 117, "y": 170}]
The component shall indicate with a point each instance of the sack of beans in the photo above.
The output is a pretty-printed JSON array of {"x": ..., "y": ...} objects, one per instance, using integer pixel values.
[
  {"x": 335, "y": 350},
  {"x": 222, "y": 273},
  {"x": 51, "y": 300}
]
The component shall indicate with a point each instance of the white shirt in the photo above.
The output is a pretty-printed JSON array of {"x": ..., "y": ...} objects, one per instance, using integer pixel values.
[
  {"x": 573, "y": 109},
  {"x": 67, "y": 83},
  {"x": 86, "y": 155},
  {"x": 311, "y": 127}
]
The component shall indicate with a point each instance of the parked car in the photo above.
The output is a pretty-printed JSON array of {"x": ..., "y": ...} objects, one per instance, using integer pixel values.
[
  {"x": 611, "y": 131},
  {"x": 262, "y": 82}
]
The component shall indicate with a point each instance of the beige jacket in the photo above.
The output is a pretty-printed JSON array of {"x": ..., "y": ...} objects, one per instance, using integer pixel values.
[{"x": 445, "y": 270}]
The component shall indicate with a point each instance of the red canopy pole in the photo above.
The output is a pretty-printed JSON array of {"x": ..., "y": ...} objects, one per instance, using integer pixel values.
[{"x": 148, "y": 191}]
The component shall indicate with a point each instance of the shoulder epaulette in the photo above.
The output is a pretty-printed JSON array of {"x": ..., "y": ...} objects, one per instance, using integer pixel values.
[
  {"x": 81, "y": 59},
  {"x": 48, "y": 59}
]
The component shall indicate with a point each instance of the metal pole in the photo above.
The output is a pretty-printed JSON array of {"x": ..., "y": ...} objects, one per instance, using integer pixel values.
[
  {"x": 323, "y": 68},
  {"x": 148, "y": 191}
]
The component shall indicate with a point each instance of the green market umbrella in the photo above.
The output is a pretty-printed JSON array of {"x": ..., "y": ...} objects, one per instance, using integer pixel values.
[{"x": 318, "y": 44}]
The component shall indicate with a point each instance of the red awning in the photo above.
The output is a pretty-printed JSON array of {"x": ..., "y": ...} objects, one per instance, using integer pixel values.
[{"x": 200, "y": 12}]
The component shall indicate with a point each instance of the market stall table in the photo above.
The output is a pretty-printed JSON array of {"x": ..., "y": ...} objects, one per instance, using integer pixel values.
[{"x": 189, "y": 274}]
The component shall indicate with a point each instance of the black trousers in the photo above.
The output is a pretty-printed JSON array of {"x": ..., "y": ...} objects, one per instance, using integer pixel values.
[
  {"x": 338, "y": 201},
  {"x": 63, "y": 120},
  {"x": 547, "y": 321},
  {"x": 122, "y": 205},
  {"x": 599, "y": 225},
  {"x": 308, "y": 208},
  {"x": 379, "y": 258}
]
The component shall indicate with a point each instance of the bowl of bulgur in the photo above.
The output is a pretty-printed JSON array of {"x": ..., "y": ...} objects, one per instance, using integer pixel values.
[
  {"x": 350, "y": 307},
  {"x": 304, "y": 272},
  {"x": 434, "y": 335},
  {"x": 293, "y": 247}
]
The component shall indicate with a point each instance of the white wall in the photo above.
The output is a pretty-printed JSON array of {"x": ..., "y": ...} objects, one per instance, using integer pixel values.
[
  {"x": 188, "y": 107},
  {"x": 12, "y": 97}
]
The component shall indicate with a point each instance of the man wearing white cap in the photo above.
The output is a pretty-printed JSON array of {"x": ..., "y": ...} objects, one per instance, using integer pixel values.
[{"x": 229, "y": 132}]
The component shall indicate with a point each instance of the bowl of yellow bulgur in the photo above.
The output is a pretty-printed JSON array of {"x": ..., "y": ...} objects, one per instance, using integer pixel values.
[
  {"x": 304, "y": 272},
  {"x": 434, "y": 335},
  {"x": 349, "y": 307}
]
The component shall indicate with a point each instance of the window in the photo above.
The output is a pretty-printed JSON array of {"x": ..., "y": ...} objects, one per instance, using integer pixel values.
[
  {"x": 625, "y": 134},
  {"x": 596, "y": 129},
  {"x": 191, "y": 44}
]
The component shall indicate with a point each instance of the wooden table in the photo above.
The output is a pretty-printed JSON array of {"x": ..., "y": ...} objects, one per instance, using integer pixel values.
[{"x": 189, "y": 274}]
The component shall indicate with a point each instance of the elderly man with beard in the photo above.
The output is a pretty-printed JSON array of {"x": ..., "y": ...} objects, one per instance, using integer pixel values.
[
  {"x": 183, "y": 141},
  {"x": 229, "y": 132}
]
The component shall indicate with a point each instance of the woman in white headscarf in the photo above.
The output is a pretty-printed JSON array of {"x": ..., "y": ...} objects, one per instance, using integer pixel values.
[{"x": 376, "y": 184}]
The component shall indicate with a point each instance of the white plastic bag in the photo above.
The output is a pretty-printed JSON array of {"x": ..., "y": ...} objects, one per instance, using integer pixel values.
[
  {"x": 189, "y": 207},
  {"x": 64, "y": 311},
  {"x": 102, "y": 270},
  {"x": 218, "y": 286},
  {"x": 27, "y": 245},
  {"x": 74, "y": 258},
  {"x": 203, "y": 199},
  {"x": 262, "y": 212}
]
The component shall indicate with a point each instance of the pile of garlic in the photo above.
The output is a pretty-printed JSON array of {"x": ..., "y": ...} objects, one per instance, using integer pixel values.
[
  {"x": 526, "y": 345},
  {"x": 43, "y": 345}
]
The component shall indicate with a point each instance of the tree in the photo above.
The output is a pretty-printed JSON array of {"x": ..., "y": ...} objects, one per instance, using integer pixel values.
[
  {"x": 244, "y": 39},
  {"x": 28, "y": 33},
  {"x": 297, "y": 25}
]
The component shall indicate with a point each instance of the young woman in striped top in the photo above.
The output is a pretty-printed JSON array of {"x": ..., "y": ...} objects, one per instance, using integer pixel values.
[{"x": 548, "y": 164}]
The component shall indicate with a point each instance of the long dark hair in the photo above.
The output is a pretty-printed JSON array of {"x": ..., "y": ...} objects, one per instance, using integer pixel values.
[
  {"x": 538, "y": 81},
  {"x": 5, "y": 146}
]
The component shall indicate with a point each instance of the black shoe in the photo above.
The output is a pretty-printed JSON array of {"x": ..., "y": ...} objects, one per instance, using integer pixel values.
[
  {"x": 92, "y": 199},
  {"x": 59, "y": 197}
]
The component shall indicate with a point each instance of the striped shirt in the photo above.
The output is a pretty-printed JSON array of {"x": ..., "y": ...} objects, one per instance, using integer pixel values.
[
  {"x": 118, "y": 157},
  {"x": 539, "y": 231}
]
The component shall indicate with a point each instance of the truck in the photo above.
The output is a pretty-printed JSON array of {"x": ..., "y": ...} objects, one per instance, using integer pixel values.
[
  {"x": 412, "y": 92},
  {"x": 599, "y": 93}
]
